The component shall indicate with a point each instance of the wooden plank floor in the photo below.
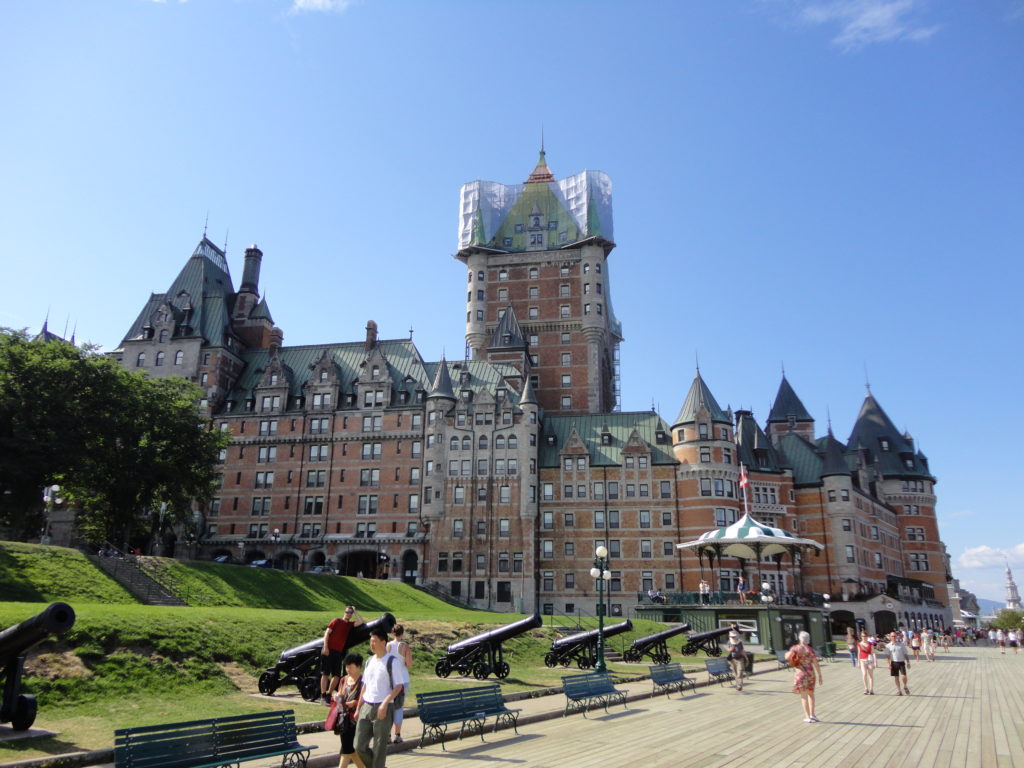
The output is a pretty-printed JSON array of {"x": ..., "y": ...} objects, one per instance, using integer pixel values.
[{"x": 966, "y": 710}]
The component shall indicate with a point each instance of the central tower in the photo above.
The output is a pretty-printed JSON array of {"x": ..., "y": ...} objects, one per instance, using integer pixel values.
[{"x": 538, "y": 286}]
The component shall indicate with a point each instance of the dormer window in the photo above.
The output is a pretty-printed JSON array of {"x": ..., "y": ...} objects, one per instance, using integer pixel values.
[
  {"x": 883, "y": 444},
  {"x": 702, "y": 431},
  {"x": 375, "y": 371},
  {"x": 273, "y": 379},
  {"x": 507, "y": 242},
  {"x": 535, "y": 221},
  {"x": 163, "y": 335},
  {"x": 323, "y": 375},
  {"x": 606, "y": 438}
]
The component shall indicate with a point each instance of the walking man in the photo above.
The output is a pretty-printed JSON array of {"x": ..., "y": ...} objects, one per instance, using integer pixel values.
[
  {"x": 382, "y": 693},
  {"x": 705, "y": 592},
  {"x": 899, "y": 662}
]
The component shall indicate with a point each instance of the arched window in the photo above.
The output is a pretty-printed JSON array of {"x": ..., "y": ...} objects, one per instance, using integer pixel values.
[
  {"x": 512, "y": 441},
  {"x": 499, "y": 442},
  {"x": 179, "y": 357},
  {"x": 466, "y": 445},
  {"x": 140, "y": 360},
  {"x": 163, "y": 335},
  {"x": 159, "y": 358},
  {"x": 454, "y": 445},
  {"x": 482, "y": 442},
  {"x": 503, "y": 274}
]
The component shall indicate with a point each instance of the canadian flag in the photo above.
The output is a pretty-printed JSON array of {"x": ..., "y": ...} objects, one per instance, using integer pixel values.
[{"x": 743, "y": 477}]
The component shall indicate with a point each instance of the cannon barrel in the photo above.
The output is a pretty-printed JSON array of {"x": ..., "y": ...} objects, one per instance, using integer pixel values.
[
  {"x": 499, "y": 635},
  {"x": 56, "y": 619},
  {"x": 591, "y": 635},
  {"x": 708, "y": 635},
  {"x": 665, "y": 634},
  {"x": 356, "y": 636}
]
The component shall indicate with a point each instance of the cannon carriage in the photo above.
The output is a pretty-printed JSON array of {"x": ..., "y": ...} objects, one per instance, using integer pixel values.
[
  {"x": 17, "y": 708},
  {"x": 581, "y": 647},
  {"x": 300, "y": 666},
  {"x": 483, "y": 654},
  {"x": 654, "y": 646},
  {"x": 705, "y": 641}
]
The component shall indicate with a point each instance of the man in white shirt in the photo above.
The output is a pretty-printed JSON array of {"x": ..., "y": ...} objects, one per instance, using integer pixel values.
[
  {"x": 382, "y": 683},
  {"x": 899, "y": 662}
]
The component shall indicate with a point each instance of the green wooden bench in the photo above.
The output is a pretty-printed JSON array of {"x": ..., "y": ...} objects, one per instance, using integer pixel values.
[
  {"x": 670, "y": 677},
  {"x": 470, "y": 707},
  {"x": 222, "y": 741},
  {"x": 719, "y": 671},
  {"x": 593, "y": 687}
]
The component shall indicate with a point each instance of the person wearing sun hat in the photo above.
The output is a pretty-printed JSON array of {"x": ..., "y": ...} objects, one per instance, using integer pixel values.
[{"x": 737, "y": 656}]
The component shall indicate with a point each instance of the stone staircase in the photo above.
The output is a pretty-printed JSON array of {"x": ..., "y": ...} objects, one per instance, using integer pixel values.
[{"x": 128, "y": 574}]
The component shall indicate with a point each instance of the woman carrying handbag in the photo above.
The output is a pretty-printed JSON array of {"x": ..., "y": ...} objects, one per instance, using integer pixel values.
[{"x": 345, "y": 709}]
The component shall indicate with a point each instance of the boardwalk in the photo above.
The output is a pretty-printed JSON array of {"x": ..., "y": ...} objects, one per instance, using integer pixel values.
[{"x": 966, "y": 709}]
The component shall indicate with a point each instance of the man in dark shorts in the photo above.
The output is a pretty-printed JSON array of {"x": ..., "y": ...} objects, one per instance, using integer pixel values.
[
  {"x": 335, "y": 637},
  {"x": 899, "y": 661}
]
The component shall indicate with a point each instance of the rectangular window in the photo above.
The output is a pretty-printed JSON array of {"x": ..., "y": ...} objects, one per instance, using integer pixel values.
[
  {"x": 599, "y": 521},
  {"x": 569, "y": 519},
  {"x": 613, "y": 518},
  {"x": 645, "y": 548},
  {"x": 850, "y": 555},
  {"x": 645, "y": 518},
  {"x": 267, "y": 454},
  {"x": 548, "y": 491},
  {"x": 667, "y": 548},
  {"x": 598, "y": 490},
  {"x": 613, "y": 490},
  {"x": 504, "y": 528},
  {"x": 547, "y": 548}
]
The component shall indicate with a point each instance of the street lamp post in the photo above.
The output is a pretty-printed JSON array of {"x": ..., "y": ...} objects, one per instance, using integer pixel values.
[
  {"x": 241, "y": 552},
  {"x": 602, "y": 574},
  {"x": 276, "y": 538},
  {"x": 826, "y": 605}
]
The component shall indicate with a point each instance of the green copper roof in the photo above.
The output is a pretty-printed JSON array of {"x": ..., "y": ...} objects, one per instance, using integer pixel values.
[
  {"x": 835, "y": 460},
  {"x": 262, "y": 311},
  {"x": 591, "y": 427},
  {"x": 700, "y": 398},
  {"x": 442, "y": 382},
  {"x": 538, "y": 220},
  {"x": 200, "y": 297}
]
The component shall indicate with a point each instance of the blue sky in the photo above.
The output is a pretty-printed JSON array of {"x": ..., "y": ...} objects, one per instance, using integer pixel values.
[{"x": 834, "y": 186}]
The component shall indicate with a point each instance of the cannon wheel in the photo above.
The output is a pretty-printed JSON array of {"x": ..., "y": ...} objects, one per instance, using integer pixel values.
[
  {"x": 716, "y": 651},
  {"x": 309, "y": 687},
  {"x": 25, "y": 708},
  {"x": 631, "y": 655},
  {"x": 550, "y": 659},
  {"x": 268, "y": 683},
  {"x": 664, "y": 658},
  {"x": 565, "y": 661},
  {"x": 481, "y": 670},
  {"x": 443, "y": 668},
  {"x": 583, "y": 662},
  {"x": 501, "y": 670},
  {"x": 688, "y": 651}
]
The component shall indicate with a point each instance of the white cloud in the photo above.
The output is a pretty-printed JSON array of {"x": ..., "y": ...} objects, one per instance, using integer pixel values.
[
  {"x": 322, "y": 6},
  {"x": 988, "y": 557},
  {"x": 864, "y": 22}
]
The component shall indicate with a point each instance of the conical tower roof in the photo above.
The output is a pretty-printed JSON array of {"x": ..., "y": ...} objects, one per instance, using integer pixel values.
[
  {"x": 787, "y": 404},
  {"x": 442, "y": 386},
  {"x": 699, "y": 398},
  {"x": 508, "y": 334},
  {"x": 835, "y": 461},
  {"x": 528, "y": 397}
]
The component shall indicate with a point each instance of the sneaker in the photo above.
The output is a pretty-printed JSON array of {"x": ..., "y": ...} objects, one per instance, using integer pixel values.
[
  {"x": 808, "y": 720},
  {"x": 815, "y": 720},
  {"x": 397, "y": 739}
]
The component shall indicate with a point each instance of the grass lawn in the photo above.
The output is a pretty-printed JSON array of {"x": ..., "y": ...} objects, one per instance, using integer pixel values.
[{"x": 36, "y": 573}]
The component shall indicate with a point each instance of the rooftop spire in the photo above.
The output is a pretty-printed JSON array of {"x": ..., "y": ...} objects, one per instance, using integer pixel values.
[{"x": 541, "y": 173}]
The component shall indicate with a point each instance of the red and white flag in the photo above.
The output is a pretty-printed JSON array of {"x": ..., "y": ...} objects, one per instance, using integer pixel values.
[{"x": 743, "y": 477}]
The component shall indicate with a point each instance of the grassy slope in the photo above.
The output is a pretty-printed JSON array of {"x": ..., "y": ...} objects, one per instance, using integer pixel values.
[{"x": 35, "y": 573}]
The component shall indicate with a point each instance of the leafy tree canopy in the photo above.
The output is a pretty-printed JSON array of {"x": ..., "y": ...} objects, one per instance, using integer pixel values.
[
  {"x": 1007, "y": 619},
  {"x": 130, "y": 451}
]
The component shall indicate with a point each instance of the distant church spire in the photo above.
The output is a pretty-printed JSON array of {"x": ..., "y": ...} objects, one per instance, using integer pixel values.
[{"x": 1012, "y": 595}]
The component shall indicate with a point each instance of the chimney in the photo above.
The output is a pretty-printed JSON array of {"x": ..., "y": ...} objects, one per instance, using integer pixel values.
[
  {"x": 251, "y": 270},
  {"x": 276, "y": 340},
  {"x": 371, "y": 335}
]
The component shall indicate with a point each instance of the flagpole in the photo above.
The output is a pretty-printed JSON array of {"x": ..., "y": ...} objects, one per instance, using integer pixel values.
[{"x": 743, "y": 486}]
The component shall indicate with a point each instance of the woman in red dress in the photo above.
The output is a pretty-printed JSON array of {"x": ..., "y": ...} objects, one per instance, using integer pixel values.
[{"x": 805, "y": 661}]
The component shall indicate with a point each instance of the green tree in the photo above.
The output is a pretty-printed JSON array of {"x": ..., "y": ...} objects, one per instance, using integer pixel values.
[
  {"x": 132, "y": 452},
  {"x": 1008, "y": 619}
]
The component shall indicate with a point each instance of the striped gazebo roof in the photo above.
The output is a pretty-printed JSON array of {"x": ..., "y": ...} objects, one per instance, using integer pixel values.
[{"x": 750, "y": 539}]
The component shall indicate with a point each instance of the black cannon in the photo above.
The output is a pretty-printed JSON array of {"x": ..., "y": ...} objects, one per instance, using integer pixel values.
[
  {"x": 300, "y": 665},
  {"x": 655, "y": 646},
  {"x": 581, "y": 648},
  {"x": 19, "y": 709},
  {"x": 705, "y": 641},
  {"x": 483, "y": 654}
]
